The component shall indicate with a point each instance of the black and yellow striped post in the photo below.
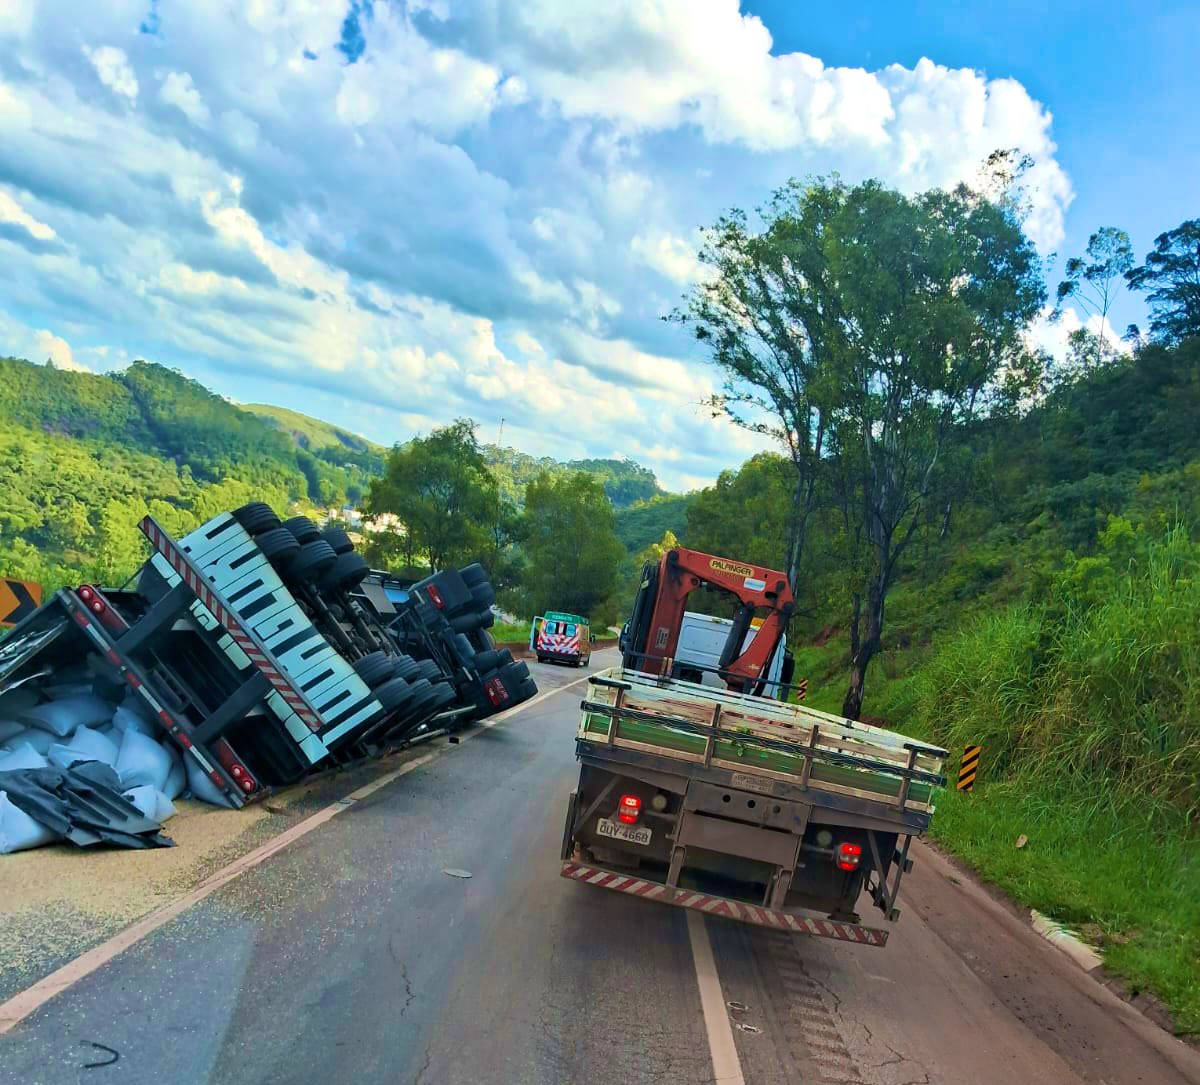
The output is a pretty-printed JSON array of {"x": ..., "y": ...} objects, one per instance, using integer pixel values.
[
  {"x": 969, "y": 767},
  {"x": 801, "y": 689}
]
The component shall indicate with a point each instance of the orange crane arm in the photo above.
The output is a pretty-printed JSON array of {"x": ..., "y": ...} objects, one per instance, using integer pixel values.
[{"x": 679, "y": 573}]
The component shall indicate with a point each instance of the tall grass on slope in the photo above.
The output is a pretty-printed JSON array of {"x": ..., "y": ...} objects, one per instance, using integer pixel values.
[
  {"x": 1088, "y": 710},
  {"x": 1102, "y": 693}
]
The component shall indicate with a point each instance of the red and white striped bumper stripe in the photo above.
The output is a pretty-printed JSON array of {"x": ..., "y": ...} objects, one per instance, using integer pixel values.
[{"x": 723, "y": 906}]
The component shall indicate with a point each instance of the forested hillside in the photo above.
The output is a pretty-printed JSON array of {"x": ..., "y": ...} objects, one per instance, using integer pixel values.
[{"x": 83, "y": 457}]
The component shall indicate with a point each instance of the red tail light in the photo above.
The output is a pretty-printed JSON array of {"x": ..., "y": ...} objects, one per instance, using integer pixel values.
[
  {"x": 435, "y": 596},
  {"x": 848, "y": 856},
  {"x": 628, "y": 809}
]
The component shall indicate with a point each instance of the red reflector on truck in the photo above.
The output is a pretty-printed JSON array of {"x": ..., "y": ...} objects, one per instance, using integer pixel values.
[
  {"x": 435, "y": 596},
  {"x": 628, "y": 809},
  {"x": 848, "y": 856}
]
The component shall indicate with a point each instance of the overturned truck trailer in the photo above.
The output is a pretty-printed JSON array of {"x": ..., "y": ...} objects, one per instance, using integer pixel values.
[{"x": 269, "y": 650}]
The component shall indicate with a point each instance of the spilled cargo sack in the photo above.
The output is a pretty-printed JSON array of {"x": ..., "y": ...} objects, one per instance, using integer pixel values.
[
  {"x": 10, "y": 729},
  {"x": 31, "y": 736},
  {"x": 141, "y": 760},
  {"x": 23, "y": 756},
  {"x": 202, "y": 787},
  {"x": 128, "y": 718},
  {"x": 86, "y": 745},
  {"x": 151, "y": 802},
  {"x": 63, "y": 717},
  {"x": 18, "y": 831}
]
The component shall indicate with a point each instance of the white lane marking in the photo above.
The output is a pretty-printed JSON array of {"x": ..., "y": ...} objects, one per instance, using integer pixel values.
[
  {"x": 21, "y": 1005},
  {"x": 727, "y": 1070}
]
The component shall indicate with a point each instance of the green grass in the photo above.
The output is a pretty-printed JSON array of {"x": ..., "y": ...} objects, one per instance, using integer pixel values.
[
  {"x": 1088, "y": 711},
  {"x": 1129, "y": 880},
  {"x": 508, "y": 633}
]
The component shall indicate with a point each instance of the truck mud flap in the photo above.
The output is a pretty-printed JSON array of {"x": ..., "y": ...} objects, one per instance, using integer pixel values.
[{"x": 723, "y": 906}]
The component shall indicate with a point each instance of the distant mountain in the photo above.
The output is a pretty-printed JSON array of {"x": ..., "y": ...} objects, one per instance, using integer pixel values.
[
  {"x": 625, "y": 481},
  {"x": 312, "y": 433}
]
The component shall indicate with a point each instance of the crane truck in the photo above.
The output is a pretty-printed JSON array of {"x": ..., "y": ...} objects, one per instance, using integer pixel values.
[{"x": 726, "y": 800}]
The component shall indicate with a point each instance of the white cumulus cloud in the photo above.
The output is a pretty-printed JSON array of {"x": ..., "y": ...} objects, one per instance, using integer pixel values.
[
  {"x": 179, "y": 90},
  {"x": 11, "y": 211},
  {"x": 114, "y": 70}
]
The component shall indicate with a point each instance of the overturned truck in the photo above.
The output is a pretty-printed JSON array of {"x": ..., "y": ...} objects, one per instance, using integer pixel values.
[{"x": 269, "y": 650}]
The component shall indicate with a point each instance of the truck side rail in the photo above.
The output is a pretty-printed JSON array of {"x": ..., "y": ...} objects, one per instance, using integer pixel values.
[{"x": 711, "y": 727}]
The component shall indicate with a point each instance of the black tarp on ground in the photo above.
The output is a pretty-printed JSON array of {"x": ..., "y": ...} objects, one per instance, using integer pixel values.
[{"x": 84, "y": 805}]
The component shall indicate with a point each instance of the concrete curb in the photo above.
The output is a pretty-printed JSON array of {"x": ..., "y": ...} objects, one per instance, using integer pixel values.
[{"x": 1067, "y": 941}]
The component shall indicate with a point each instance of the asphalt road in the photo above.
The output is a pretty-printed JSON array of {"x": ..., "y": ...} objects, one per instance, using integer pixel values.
[{"x": 351, "y": 956}]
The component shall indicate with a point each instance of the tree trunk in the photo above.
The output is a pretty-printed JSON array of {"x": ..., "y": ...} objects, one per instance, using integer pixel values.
[{"x": 864, "y": 648}]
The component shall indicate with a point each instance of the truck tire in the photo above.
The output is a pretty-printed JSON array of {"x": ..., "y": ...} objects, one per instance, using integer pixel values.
[
  {"x": 374, "y": 669},
  {"x": 482, "y": 640},
  {"x": 506, "y": 657},
  {"x": 313, "y": 561},
  {"x": 256, "y": 517},
  {"x": 487, "y": 619},
  {"x": 346, "y": 573},
  {"x": 304, "y": 529},
  {"x": 473, "y": 575},
  {"x": 393, "y": 694},
  {"x": 487, "y": 661},
  {"x": 527, "y": 689},
  {"x": 338, "y": 540},
  {"x": 484, "y": 596},
  {"x": 406, "y": 667},
  {"x": 278, "y": 546},
  {"x": 428, "y": 668},
  {"x": 466, "y": 623}
]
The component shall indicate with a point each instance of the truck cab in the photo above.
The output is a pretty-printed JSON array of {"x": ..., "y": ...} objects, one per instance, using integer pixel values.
[{"x": 702, "y": 639}]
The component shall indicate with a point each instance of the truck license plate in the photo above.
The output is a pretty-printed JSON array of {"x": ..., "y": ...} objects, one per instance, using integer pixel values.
[{"x": 633, "y": 834}]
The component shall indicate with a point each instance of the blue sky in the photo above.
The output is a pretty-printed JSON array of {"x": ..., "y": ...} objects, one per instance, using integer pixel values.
[{"x": 391, "y": 214}]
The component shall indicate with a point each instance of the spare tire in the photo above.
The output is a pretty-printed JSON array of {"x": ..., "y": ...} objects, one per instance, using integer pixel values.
[
  {"x": 304, "y": 529},
  {"x": 278, "y": 546},
  {"x": 313, "y": 561},
  {"x": 473, "y": 574},
  {"x": 338, "y": 539},
  {"x": 374, "y": 669},
  {"x": 347, "y": 572},
  {"x": 256, "y": 517}
]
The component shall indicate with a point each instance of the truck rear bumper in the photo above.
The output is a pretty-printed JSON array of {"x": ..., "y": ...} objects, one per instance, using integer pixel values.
[{"x": 723, "y": 906}]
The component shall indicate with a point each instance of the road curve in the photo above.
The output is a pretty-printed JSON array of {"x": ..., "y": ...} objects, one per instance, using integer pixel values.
[{"x": 352, "y": 956}]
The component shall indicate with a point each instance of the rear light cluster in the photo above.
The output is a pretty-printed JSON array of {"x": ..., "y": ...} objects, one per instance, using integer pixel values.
[
  {"x": 435, "y": 596},
  {"x": 628, "y": 809},
  {"x": 848, "y": 856},
  {"x": 234, "y": 767},
  {"x": 94, "y": 600}
]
